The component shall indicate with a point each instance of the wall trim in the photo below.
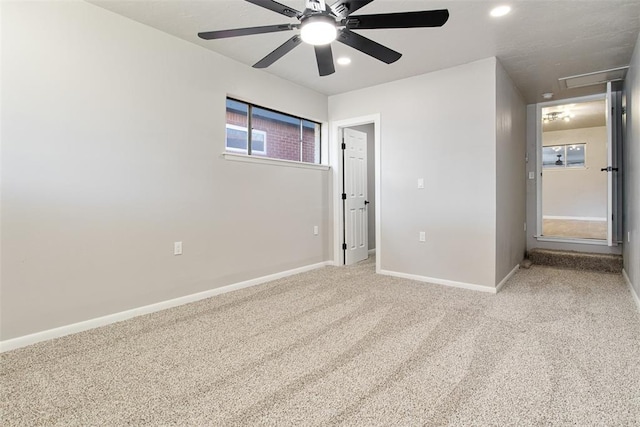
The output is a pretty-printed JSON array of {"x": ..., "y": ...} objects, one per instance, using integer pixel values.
[
  {"x": 635, "y": 296},
  {"x": 97, "y": 322},
  {"x": 576, "y": 218},
  {"x": 444, "y": 282},
  {"x": 507, "y": 277}
]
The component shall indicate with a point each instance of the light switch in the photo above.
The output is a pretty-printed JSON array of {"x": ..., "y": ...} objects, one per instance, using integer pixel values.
[
  {"x": 532, "y": 175},
  {"x": 420, "y": 182},
  {"x": 422, "y": 236},
  {"x": 177, "y": 248}
]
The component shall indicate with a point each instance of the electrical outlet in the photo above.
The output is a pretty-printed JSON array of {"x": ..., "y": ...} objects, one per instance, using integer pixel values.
[
  {"x": 177, "y": 248},
  {"x": 420, "y": 182},
  {"x": 422, "y": 236},
  {"x": 315, "y": 230},
  {"x": 532, "y": 175}
]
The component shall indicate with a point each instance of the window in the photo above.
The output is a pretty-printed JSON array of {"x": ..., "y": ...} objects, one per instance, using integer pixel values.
[
  {"x": 564, "y": 156},
  {"x": 274, "y": 135}
]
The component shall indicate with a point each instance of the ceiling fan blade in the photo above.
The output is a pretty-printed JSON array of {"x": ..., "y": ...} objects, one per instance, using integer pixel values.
[
  {"x": 281, "y": 51},
  {"x": 222, "y": 34},
  {"x": 277, "y": 7},
  {"x": 324, "y": 57},
  {"x": 343, "y": 8},
  {"x": 368, "y": 46},
  {"x": 427, "y": 18}
]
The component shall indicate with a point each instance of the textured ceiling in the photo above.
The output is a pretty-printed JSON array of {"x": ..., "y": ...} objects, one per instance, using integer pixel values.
[
  {"x": 537, "y": 43},
  {"x": 585, "y": 115}
]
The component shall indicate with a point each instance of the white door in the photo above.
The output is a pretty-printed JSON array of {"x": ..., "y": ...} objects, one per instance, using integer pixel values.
[
  {"x": 610, "y": 164},
  {"x": 355, "y": 196}
]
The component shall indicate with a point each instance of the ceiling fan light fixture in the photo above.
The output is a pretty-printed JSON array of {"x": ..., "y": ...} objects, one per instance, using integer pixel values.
[
  {"x": 318, "y": 30},
  {"x": 319, "y": 25}
]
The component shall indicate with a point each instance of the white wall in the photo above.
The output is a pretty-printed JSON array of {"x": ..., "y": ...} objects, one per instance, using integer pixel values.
[
  {"x": 111, "y": 140},
  {"x": 577, "y": 192},
  {"x": 631, "y": 173},
  {"x": 440, "y": 127},
  {"x": 510, "y": 175},
  {"x": 371, "y": 181}
]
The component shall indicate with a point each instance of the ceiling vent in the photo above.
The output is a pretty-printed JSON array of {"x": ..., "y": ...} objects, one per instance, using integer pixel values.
[{"x": 595, "y": 78}]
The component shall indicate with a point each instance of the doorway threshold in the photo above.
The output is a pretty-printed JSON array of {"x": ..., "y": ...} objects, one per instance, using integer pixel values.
[{"x": 595, "y": 242}]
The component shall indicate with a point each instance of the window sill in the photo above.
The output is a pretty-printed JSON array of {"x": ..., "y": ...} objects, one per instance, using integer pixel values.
[{"x": 274, "y": 162}]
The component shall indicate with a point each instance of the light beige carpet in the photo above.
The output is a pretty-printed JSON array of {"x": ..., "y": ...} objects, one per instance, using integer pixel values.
[{"x": 342, "y": 346}]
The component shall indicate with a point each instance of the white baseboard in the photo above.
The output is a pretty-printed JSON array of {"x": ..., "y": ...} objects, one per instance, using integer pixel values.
[
  {"x": 49, "y": 334},
  {"x": 451, "y": 283},
  {"x": 506, "y": 279},
  {"x": 636, "y": 298},
  {"x": 576, "y": 218}
]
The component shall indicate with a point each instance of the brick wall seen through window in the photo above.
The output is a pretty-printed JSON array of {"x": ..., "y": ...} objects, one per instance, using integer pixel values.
[{"x": 277, "y": 135}]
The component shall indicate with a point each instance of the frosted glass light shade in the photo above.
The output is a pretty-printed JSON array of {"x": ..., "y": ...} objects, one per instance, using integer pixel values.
[{"x": 318, "y": 32}]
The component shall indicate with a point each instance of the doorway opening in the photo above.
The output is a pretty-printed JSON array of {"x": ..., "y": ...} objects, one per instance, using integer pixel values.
[
  {"x": 356, "y": 175},
  {"x": 578, "y": 170},
  {"x": 574, "y": 190}
]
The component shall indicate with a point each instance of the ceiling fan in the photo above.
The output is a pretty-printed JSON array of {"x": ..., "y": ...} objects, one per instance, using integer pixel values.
[{"x": 320, "y": 25}]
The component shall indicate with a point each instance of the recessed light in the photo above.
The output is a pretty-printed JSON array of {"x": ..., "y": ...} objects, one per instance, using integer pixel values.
[
  {"x": 344, "y": 60},
  {"x": 547, "y": 95},
  {"x": 500, "y": 11}
]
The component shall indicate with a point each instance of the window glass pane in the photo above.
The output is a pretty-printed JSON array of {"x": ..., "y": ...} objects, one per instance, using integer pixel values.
[
  {"x": 282, "y": 132},
  {"x": 258, "y": 142},
  {"x": 575, "y": 155},
  {"x": 553, "y": 157},
  {"x": 310, "y": 142},
  {"x": 237, "y": 119},
  {"x": 236, "y": 139}
]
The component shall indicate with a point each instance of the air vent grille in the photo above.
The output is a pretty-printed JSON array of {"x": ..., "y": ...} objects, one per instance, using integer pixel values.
[{"x": 595, "y": 78}]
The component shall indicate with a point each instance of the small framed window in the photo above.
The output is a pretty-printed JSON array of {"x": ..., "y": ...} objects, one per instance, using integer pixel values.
[
  {"x": 564, "y": 156},
  {"x": 274, "y": 134}
]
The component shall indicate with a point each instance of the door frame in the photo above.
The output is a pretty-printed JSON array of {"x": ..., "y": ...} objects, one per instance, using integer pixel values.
[
  {"x": 539, "y": 107},
  {"x": 336, "y": 166}
]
